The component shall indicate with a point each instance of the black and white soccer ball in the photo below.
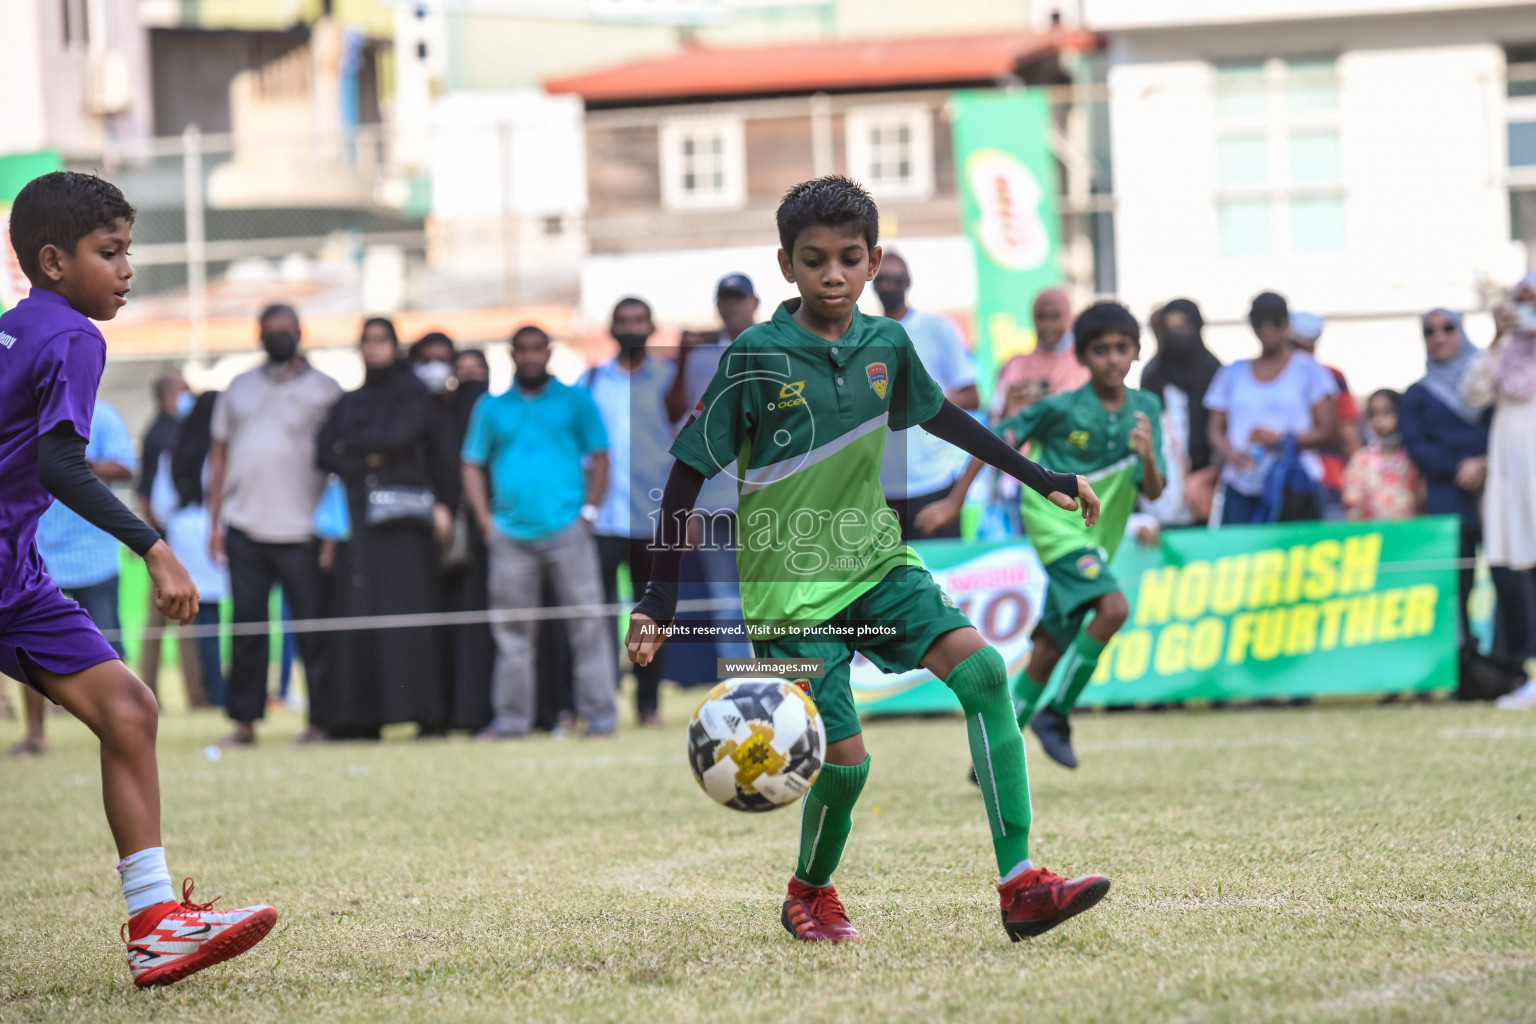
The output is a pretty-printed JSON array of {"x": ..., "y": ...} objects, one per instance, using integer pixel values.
[{"x": 756, "y": 744}]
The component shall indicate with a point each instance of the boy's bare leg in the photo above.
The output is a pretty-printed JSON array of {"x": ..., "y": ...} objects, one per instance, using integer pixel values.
[
  {"x": 36, "y": 740},
  {"x": 116, "y": 706}
]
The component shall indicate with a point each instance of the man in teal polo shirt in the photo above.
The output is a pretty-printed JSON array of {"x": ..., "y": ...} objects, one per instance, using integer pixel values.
[{"x": 536, "y": 503}]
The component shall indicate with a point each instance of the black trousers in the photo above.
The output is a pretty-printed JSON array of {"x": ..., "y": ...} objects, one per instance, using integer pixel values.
[
  {"x": 254, "y": 568},
  {"x": 613, "y": 552},
  {"x": 906, "y": 510}
]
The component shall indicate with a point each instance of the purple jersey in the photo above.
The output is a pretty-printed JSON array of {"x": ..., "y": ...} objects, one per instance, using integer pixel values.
[{"x": 51, "y": 359}]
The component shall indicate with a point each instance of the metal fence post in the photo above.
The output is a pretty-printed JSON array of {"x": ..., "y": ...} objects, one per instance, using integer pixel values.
[{"x": 197, "y": 253}]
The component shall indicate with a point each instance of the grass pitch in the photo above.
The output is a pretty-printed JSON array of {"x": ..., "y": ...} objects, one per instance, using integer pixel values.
[{"x": 1355, "y": 863}]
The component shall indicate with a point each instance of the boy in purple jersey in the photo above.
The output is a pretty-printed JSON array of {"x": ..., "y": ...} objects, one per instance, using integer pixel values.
[{"x": 71, "y": 233}]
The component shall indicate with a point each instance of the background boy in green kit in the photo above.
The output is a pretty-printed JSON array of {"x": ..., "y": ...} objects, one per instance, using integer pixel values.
[
  {"x": 801, "y": 405},
  {"x": 1112, "y": 435}
]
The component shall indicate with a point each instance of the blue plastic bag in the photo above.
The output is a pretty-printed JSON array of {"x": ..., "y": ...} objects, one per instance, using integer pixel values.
[{"x": 333, "y": 517}]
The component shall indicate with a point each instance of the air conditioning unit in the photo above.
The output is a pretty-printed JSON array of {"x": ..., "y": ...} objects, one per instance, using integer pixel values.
[{"x": 108, "y": 84}]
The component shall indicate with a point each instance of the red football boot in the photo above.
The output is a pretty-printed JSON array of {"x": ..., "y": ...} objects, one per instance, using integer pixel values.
[
  {"x": 169, "y": 941},
  {"x": 816, "y": 915},
  {"x": 1039, "y": 900}
]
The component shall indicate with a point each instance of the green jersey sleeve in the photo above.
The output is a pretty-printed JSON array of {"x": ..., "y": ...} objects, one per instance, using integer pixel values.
[
  {"x": 1031, "y": 421},
  {"x": 722, "y": 422},
  {"x": 917, "y": 397}
]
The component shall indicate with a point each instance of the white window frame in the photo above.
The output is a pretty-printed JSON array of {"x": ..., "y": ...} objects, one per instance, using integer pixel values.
[
  {"x": 918, "y": 119},
  {"x": 1517, "y": 109},
  {"x": 1276, "y": 124},
  {"x": 732, "y": 193}
]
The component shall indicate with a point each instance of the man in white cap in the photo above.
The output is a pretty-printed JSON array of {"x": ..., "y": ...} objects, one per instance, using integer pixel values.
[{"x": 713, "y": 530}]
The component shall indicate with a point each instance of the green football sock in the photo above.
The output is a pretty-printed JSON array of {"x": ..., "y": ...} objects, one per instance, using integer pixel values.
[
  {"x": 1026, "y": 697},
  {"x": 826, "y": 818},
  {"x": 1076, "y": 668},
  {"x": 997, "y": 752}
]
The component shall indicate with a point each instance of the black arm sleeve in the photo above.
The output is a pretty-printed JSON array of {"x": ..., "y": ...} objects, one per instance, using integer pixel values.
[
  {"x": 64, "y": 473},
  {"x": 660, "y": 601},
  {"x": 955, "y": 425}
]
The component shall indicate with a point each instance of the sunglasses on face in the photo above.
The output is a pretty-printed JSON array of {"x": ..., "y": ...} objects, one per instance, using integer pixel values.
[
  {"x": 882, "y": 279},
  {"x": 1431, "y": 331}
]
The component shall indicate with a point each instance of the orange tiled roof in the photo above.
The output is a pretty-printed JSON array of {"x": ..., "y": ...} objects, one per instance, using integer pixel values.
[{"x": 816, "y": 67}]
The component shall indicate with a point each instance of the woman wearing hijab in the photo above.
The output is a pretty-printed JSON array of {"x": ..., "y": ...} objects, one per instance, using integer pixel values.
[
  {"x": 1504, "y": 377},
  {"x": 379, "y": 439},
  {"x": 1180, "y": 374},
  {"x": 1050, "y": 368},
  {"x": 467, "y": 651},
  {"x": 1447, "y": 438}
]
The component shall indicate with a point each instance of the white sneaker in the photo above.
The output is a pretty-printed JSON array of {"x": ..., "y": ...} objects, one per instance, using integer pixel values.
[
  {"x": 169, "y": 941},
  {"x": 1523, "y": 699}
]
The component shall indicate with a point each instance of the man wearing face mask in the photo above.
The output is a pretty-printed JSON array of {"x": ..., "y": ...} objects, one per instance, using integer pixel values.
[
  {"x": 535, "y": 466},
  {"x": 712, "y": 532},
  {"x": 919, "y": 469},
  {"x": 630, "y": 393},
  {"x": 262, "y": 491}
]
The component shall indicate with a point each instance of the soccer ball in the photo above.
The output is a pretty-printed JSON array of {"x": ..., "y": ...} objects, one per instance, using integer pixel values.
[{"x": 756, "y": 744}]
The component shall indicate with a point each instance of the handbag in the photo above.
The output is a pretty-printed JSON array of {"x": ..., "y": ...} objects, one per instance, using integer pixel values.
[
  {"x": 455, "y": 555},
  {"x": 1290, "y": 494},
  {"x": 333, "y": 518},
  {"x": 398, "y": 505}
]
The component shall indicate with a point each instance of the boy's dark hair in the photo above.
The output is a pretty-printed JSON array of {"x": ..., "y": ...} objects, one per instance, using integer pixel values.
[
  {"x": 1100, "y": 319},
  {"x": 475, "y": 354},
  {"x": 419, "y": 347},
  {"x": 1387, "y": 393},
  {"x": 59, "y": 209},
  {"x": 633, "y": 300},
  {"x": 276, "y": 309},
  {"x": 529, "y": 329},
  {"x": 832, "y": 200},
  {"x": 1268, "y": 308}
]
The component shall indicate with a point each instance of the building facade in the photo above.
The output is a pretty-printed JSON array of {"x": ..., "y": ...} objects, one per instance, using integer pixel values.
[
  {"x": 1368, "y": 159},
  {"x": 688, "y": 156}
]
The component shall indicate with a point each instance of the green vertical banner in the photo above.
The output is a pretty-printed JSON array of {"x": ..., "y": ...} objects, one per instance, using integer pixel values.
[
  {"x": 1007, "y": 180},
  {"x": 1240, "y": 613},
  {"x": 16, "y": 171}
]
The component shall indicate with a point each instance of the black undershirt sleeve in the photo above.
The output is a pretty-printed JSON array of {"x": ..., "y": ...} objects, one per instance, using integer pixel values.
[
  {"x": 64, "y": 473},
  {"x": 959, "y": 428},
  {"x": 659, "y": 603}
]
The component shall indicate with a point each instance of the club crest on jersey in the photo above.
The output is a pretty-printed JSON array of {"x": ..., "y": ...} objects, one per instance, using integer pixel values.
[
  {"x": 1089, "y": 566},
  {"x": 878, "y": 378}
]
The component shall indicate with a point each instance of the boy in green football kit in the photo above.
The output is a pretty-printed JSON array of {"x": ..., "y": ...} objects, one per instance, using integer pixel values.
[
  {"x": 801, "y": 406},
  {"x": 1112, "y": 435}
]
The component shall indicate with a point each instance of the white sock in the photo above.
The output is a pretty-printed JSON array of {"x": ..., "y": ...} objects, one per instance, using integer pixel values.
[
  {"x": 146, "y": 879},
  {"x": 1019, "y": 869}
]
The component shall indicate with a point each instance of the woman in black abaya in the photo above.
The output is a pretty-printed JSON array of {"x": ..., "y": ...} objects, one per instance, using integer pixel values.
[{"x": 380, "y": 440}]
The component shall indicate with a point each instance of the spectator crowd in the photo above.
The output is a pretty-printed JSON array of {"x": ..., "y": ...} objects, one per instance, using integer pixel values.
[{"x": 420, "y": 492}]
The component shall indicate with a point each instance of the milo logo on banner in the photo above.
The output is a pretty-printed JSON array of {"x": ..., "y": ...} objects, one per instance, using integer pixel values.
[{"x": 999, "y": 587}]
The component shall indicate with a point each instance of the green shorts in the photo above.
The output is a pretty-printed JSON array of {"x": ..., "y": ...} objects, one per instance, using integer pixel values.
[
  {"x": 1076, "y": 580},
  {"x": 907, "y": 599}
]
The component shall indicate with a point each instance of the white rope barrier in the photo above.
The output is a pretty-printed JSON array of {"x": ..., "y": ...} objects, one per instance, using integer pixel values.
[
  {"x": 412, "y": 621},
  {"x": 571, "y": 611}
]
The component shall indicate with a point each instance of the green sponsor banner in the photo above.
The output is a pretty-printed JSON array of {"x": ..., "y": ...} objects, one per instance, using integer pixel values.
[
  {"x": 1241, "y": 613},
  {"x": 16, "y": 171},
  {"x": 1007, "y": 181}
]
